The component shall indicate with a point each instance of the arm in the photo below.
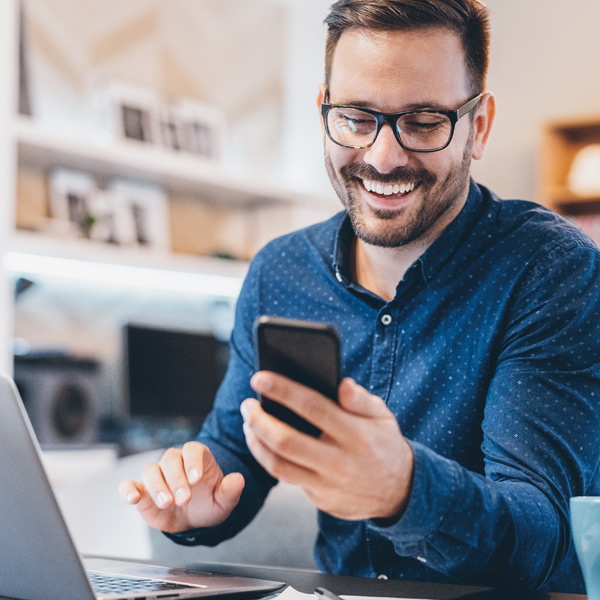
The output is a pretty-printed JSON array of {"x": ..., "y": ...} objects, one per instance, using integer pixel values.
[{"x": 211, "y": 488}]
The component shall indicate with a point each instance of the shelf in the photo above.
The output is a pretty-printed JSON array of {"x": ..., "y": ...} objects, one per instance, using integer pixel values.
[
  {"x": 561, "y": 141},
  {"x": 37, "y": 254},
  {"x": 176, "y": 171},
  {"x": 564, "y": 197}
]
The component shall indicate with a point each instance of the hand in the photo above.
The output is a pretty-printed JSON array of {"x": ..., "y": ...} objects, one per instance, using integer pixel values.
[
  {"x": 186, "y": 490},
  {"x": 360, "y": 467}
]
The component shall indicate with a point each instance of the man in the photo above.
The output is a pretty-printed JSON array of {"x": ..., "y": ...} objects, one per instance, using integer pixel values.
[{"x": 470, "y": 328}]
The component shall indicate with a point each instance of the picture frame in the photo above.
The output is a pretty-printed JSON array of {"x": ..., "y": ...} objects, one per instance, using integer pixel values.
[
  {"x": 71, "y": 194},
  {"x": 133, "y": 112},
  {"x": 201, "y": 126},
  {"x": 141, "y": 214}
]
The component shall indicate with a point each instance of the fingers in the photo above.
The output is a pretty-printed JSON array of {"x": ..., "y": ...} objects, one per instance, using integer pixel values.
[
  {"x": 278, "y": 447},
  {"x": 169, "y": 481},
  {"x": 131, "y": 491},
  {"x": 304, "y": 401},
  {"x": 354, "y": 398},
  {"x": 228, "y": 493},
  {"x": 315, "y": 408}
]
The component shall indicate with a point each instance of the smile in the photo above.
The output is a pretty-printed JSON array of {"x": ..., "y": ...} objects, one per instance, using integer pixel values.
[{"x": 387, "y": 189}]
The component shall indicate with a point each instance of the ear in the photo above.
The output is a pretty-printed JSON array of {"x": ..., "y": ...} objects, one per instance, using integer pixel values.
[
  {"x": 483, "y": 120},
  {"x": 320, "y": 99}
]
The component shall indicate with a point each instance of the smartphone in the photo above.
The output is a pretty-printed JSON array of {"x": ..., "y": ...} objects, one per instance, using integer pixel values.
[{"x": 305, "y": 351}]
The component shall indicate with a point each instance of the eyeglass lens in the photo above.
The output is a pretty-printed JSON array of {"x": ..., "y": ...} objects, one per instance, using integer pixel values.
[{"x": 418, "y": 131}]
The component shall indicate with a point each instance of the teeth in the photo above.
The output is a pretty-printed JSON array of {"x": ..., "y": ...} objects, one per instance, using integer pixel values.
[{"x": 389, "y": 189}]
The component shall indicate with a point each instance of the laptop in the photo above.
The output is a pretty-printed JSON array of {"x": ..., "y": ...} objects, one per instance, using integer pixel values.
[{"x": 38, "y": 559}]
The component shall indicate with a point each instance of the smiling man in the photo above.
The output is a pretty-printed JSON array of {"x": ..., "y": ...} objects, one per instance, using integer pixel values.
[{"x": 470, "y": 331}]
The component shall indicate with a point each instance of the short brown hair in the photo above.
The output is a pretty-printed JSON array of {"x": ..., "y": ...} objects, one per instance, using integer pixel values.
[{"x": 469, "y": 19}]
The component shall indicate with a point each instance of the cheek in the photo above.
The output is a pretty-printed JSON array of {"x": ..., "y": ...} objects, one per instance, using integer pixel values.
[{"x": 338, "y": 157}]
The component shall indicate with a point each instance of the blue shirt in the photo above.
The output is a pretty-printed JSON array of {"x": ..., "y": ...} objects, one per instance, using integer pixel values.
[{"x": 488, "y": 356}]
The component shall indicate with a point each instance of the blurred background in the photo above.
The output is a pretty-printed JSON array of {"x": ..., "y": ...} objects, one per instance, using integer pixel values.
[{"x": 149, "y": 148}]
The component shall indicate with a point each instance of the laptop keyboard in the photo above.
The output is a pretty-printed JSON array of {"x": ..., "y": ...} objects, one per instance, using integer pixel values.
[{"x": 105, "y": 584}]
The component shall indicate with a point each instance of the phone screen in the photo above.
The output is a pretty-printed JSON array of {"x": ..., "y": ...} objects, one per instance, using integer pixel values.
[{"x": 305, "y": 351}]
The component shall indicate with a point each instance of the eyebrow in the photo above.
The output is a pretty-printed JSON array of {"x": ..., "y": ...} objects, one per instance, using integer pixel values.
[{"x": 409, "y": 108}]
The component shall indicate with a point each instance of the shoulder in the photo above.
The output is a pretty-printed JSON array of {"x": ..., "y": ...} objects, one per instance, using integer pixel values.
[
  {"x": 536, "y": 244},
  {"x": 535, "y": 228}
]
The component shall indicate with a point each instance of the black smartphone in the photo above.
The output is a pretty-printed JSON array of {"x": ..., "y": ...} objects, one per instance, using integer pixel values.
[{"x": 305, "y": 351}]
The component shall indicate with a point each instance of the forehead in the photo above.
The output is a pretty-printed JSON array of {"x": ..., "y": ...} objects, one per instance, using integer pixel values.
[{"x": 388, "y": 69}]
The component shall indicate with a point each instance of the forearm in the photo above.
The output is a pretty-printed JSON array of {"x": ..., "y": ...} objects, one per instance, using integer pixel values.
[{"x": 475, "y": 529}]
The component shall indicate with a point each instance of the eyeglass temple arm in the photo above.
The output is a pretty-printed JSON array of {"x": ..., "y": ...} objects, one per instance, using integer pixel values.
[{"x": 465, "y": 108}]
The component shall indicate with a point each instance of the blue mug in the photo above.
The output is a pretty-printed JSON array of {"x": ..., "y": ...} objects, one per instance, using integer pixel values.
[{"x": 585, "y": 526}]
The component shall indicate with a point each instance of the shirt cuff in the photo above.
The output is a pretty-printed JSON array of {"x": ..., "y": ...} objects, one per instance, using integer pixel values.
[{"x": 434, "y": 492}]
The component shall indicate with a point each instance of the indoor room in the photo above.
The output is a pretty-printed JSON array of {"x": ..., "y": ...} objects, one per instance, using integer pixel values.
[{"x": 148, "y": 150}]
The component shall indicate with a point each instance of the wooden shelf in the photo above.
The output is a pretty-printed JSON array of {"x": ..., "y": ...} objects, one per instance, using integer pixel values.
[{"x": 560, "y": 143}]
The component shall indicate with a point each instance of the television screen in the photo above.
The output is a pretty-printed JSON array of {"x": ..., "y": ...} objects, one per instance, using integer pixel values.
[{"x": 172, "y": 373}]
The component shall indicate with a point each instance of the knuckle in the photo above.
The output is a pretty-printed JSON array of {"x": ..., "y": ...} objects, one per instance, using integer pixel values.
[
  {"x": 170, "y": 457},
  {"x": 283, "y": 441},
  {"x": 149, "y": 469}
]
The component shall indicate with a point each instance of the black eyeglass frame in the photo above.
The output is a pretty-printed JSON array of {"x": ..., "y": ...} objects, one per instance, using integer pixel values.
[{"x": 392, "y": 118}]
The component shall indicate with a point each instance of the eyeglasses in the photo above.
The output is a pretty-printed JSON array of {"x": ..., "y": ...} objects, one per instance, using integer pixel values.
[{"x": 416, "y": 130}]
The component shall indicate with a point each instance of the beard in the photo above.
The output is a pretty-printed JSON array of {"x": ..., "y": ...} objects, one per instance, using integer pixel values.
[{"x": 393, "y": 228}]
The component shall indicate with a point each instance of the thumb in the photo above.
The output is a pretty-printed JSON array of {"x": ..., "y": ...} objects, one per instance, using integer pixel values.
[
  {"x": 354, "y": 398},
  {"x": 228, "y": 493}
]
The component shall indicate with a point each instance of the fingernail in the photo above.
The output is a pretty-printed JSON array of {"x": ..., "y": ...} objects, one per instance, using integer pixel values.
[
  {"x": 132, "y": 497},
  {"x": 244, "y": 411},
  {"x": 163, "y": 498},
  {"x": 193, "y": 476},
  {"x": 261, "y": 380},
  {"x": 266, "y": 383}
]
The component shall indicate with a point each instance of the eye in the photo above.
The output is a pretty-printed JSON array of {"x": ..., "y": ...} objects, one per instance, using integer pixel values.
[
  {"x": 352, "y": 121},
  {"x": 421, "y": 123}
]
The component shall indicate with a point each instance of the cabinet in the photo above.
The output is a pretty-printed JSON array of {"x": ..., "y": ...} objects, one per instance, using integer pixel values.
[{"x": 561, "y": 148}]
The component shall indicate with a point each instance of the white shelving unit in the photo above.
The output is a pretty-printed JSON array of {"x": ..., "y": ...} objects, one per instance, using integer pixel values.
[
  {"x": 44, "y": 148},
  {"x": 38, "y": 147},
  {"x": 8, "y": 104}
]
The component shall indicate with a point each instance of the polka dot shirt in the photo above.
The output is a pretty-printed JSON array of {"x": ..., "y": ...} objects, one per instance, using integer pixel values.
[{"x": 488, "y": 355}]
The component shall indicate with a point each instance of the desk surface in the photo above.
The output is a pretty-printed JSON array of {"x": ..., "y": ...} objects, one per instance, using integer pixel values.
[{"x": 307, "y": 581}]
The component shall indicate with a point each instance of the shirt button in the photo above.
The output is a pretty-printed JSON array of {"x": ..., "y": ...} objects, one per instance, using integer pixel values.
[
  {"x": 382, "y": 576},
  {"x": 386, "y": 319}
]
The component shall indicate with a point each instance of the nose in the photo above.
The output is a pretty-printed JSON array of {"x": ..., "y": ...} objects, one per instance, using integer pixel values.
[{"x": 386, "y": 153}]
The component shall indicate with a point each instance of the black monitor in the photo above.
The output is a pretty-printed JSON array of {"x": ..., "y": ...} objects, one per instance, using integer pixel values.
[{"x": 171, "y": 373}]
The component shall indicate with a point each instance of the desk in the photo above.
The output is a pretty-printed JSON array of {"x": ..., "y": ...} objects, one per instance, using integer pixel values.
[{"x": 307, "y": 581}]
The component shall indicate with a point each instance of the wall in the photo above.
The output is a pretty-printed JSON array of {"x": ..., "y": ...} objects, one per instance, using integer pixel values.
[{"x": 545, "y": 65}]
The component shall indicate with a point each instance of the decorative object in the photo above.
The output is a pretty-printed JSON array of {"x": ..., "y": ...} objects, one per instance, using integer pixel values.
[
  {"x": 201, "y": 127},
  {"x": 584, "y": 176},
  {"x": 71, "y": 194},
  {"x": 133, "y": 112},
  {"x": 141, "y": 214}
]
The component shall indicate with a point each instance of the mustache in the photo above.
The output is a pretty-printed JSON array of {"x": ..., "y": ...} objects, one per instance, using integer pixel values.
[{"x": 397, "y": 175}]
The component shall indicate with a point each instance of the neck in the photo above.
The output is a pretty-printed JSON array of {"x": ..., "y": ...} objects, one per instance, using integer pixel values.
[{"x": 380, "y": 269}]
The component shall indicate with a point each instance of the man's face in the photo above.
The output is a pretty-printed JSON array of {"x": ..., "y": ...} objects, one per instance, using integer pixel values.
[{"x": 393, "y": 72}]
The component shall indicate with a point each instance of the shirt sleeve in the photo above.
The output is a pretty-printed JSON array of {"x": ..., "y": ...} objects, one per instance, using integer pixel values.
[
  {"x": 222, "y": 431},
  {"x": 541, "y": 429}
]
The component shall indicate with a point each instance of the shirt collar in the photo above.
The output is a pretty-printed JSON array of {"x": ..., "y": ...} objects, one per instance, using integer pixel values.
[{"x": 433, "y": 258}]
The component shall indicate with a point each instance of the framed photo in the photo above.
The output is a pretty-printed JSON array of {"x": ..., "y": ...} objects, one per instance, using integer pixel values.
[
  {"x": 71, "y": 197},
  {"x": 171, "y": 130},
  {"x": 134, "y": 112},
  {"x": 201, "y": 127},
  {"x": 141, "y": 214}
]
